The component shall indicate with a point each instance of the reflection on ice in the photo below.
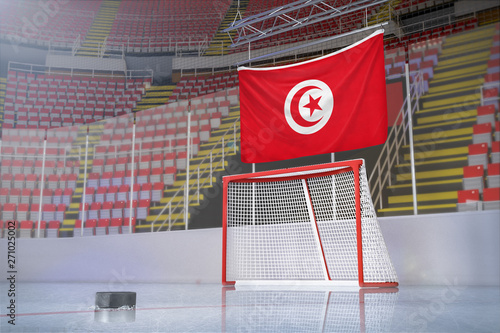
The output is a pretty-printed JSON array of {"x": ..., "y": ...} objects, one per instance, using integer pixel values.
[
  {"x": 114, "y": 315},
  {"x": 276, "y": 310}
]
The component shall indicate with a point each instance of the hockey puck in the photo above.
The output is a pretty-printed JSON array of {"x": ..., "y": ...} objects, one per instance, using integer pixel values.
[{"x": 115, "y": 299}]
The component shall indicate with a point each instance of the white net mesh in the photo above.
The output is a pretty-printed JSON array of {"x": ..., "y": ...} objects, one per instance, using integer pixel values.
[
  {"x": 377, "y": 265},
  {"x": 270, "y": 233},
  {"x": 299, "y": 226},
  {"x": 334, "y": 206}
]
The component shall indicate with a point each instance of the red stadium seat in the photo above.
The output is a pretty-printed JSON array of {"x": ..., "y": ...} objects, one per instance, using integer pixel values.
[{"x": 473, "y": 178}]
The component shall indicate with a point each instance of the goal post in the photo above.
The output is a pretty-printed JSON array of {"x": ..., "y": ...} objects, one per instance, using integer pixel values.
[{"x": 307, "y": 225}]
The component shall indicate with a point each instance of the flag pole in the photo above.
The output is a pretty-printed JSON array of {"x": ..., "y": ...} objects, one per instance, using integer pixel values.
[
  {"x": 410, "y": 135},
  {"x": 188, "y": 152},
  {"x": 253, "y": 164}
]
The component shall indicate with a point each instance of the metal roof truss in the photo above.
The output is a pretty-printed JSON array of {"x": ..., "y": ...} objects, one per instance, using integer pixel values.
[{"x": 292, "y": 16}]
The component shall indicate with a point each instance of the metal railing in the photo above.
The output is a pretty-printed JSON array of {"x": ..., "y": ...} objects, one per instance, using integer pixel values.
[
  {"x": 42, "y": 177},
  {"x": 175, "y": 44},
  {"x": 147, "y": 151},
  {"x": 77, "y": 72},
  {"x": 386, "y": 13},
  {"x": 398, "y": 136},
  {"x": 76, "y": 45},
  {"x": 211, "y": 165},
  {"x": 72, "y": 153},
  {"x": 432, "y": 23},
  {"x": 163, "y": 17}
]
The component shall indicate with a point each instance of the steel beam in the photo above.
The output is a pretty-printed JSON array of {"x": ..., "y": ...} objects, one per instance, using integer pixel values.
[{"x": 292, "y": 16}]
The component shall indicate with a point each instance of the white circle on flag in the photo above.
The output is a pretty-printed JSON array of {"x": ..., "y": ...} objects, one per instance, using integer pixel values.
[{"x": 314, "y": 107}]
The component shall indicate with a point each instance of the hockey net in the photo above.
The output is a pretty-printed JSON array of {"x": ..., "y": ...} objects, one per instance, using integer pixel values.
[{"x": 304, "y": 225}]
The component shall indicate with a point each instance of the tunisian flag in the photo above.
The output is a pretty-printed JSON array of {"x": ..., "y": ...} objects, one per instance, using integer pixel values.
[{"x": 333, "y": 103}]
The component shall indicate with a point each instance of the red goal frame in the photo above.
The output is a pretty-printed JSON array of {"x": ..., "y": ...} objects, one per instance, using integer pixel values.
[{"x": 342, "y": 166}]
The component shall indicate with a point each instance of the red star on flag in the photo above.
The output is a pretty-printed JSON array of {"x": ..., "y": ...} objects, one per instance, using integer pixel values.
[{"x": 313, "y": 105}]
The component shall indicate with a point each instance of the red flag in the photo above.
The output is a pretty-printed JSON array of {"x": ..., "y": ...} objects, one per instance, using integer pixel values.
[{"x": 333, "y": 103}]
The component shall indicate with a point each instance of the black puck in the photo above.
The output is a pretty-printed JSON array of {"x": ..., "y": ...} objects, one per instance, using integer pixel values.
[{"x": 115, "y": 299}]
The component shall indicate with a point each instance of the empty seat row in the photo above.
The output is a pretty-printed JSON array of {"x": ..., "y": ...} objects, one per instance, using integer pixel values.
[
  {"x": 12, "y": 156},
  {"x": 55, "y": 103},
  {"x": 117, "y": 209},
  {"x": 24, "y": 211},
  {"x": 197, "y": 86},
  {"x": 143, "y": 162},
  {"x": 111, "y": 193},
  {"x": 438, "y": 32},
  {"x": 142, "y": 177},
  {"x": 162, "y": 120},
  {"x": 28, "y": 228},
  {"x": 32, "y": 181},
  {"x": 474, "y": 177},
  {"x": 121, "y": 208},
  {"x": 62, "y": 25},
  {"x": 164, "y": 19},
  {"x": 28, "y": 79},
  {"x": 472, "y": 200},
  {"x": 103, "y": 226},
  {"x": 26, "y": 195},
  {"x": 61, "y": 133}
]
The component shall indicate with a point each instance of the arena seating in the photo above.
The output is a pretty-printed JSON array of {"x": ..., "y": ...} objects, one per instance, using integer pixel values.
[
  {"x": 435, "y": 33},
  {"x": 190, "y": 87},
  {"x": 29, "y": 21},
  {"x": 484, "y": 151},
  {"x": 45, "y": 101},
  {"x": 453, "y": 136},
  {"x": 159, "y": 25},
  {"x": 36, "y": 102},
  {"x": 21, "y": 167},
  {"x": 160, "y": 157}
]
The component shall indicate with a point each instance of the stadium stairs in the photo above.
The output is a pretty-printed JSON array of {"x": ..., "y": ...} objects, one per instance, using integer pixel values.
[
  {"x": 100, "y": 29},
  {"x": 95, "y": 131},
  {"x": 383, "y": 14},
  {"x": 200, "y": 161},
  {"x": 443, "y": 128},
  {"x": 155, "y": 96},
  {"x": 73, "y": 210},
  {"x": 3, "y": 87},
  {"x": 221, "y": 39},
  {"x": 489, "y": 16}
]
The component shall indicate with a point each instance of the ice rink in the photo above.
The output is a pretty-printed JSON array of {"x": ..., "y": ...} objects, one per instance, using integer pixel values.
[{"x": 56, "y": 307}]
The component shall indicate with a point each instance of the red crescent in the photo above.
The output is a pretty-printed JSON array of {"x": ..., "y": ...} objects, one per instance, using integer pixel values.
[{"x": 294, "y": 107}]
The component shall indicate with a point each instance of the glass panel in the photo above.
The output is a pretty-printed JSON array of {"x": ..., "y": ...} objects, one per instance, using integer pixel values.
[
  {"x": 64, "y": 166},
  {"x": 22, "y": 150},
  {"x": 159, "y": 167},
  {"x": 210, "y": 144},
  {"x": 113, "y": 175}
]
